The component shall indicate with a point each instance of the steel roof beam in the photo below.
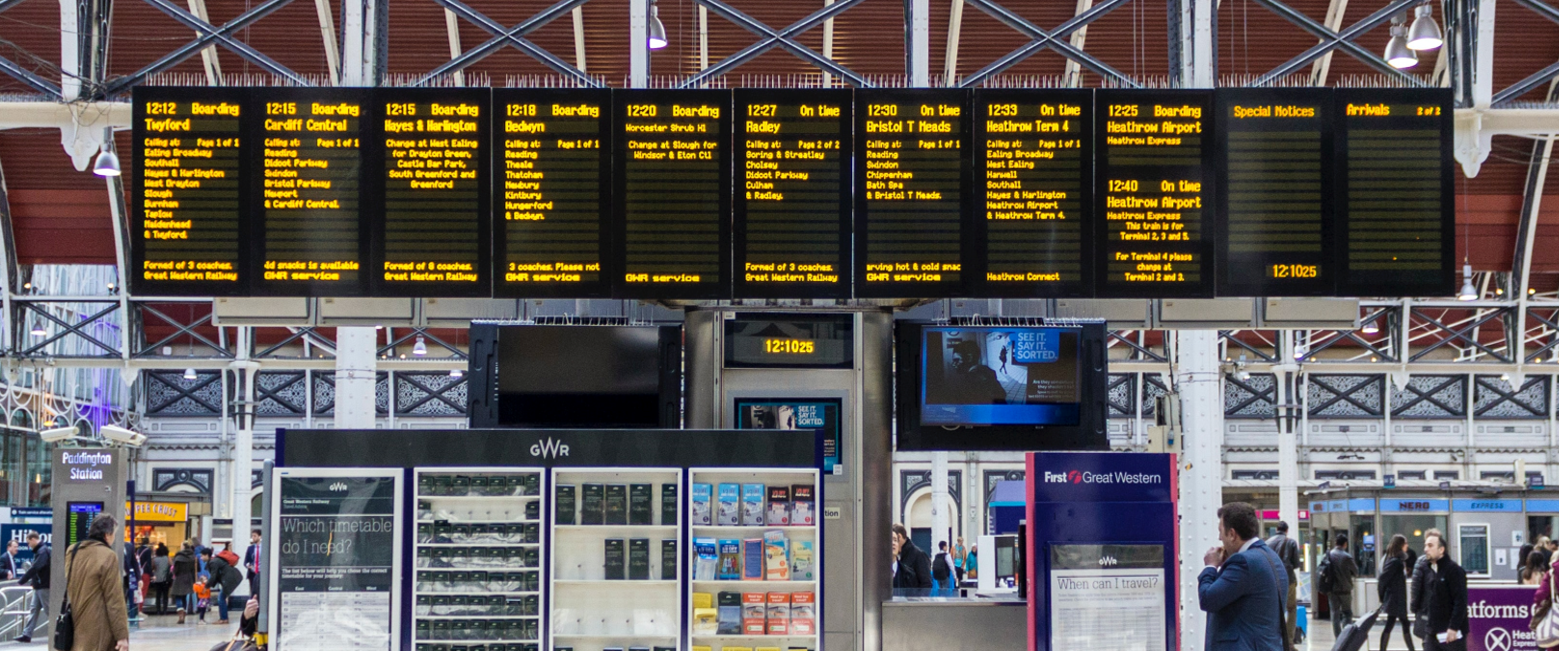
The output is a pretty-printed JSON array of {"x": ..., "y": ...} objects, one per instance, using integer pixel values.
[
  {"x": 513, "y": 37},
  {"x": 784, "y": 38},
  {"x": 1331, "y": 40},
  {"x": 1041, "y": 39},
  {"x": 209, "y": 34}
]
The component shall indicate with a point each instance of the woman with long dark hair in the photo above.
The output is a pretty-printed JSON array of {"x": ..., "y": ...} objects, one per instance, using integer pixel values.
[
  {"x": 1534, "y": 568},
  {"x": 1392, "y": 590}
]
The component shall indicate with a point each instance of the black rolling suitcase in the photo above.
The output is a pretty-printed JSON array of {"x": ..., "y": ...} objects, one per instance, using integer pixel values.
[{"x": 1354, "y": 635}]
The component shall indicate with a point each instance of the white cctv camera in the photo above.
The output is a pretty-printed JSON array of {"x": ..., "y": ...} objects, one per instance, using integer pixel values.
[
  {"x": 122, "y": 436},
  {"x": 58, "y": 434}
]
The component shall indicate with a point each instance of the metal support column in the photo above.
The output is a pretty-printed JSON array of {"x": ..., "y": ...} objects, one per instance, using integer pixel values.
[
  {"x": 919, "y": 43},
  {"x": 1288, "y": 443},
  {"x": 243, "y": 445},
  {"x": 939, "y": 499},
  {"x": 638, "y": 43},
  {"x": 355, "y": 377},
  {"x": 1199, "y": 383}
]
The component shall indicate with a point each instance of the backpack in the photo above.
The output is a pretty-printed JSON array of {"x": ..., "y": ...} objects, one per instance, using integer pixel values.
[
  {"x": 1326, "y": 579},
  {"x": 939, "y": 569}
]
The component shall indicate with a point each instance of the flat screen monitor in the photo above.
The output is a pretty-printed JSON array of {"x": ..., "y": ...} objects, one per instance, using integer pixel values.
[
  {"x": 79, "y": 517},
  {"x": 1001, "y": 387},
  {"x": 576, "y": 376}
]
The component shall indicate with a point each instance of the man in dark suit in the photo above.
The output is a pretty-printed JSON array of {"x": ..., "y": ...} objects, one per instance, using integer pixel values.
[
  {"x": 252, "y": 562},
  {"x": 1244, "y": 587},
  {"x": 8, "y": 561},
  {"x": 1443, "y": 599},
  {"x": 1288, "y": 551}
]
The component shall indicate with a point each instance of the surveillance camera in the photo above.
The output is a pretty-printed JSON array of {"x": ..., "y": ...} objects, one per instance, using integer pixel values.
[
  {"x": 57, "y": 434},
  {"x": 122, "y": 436}
]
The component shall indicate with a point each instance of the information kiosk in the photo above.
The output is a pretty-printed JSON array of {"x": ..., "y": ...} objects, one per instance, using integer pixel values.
[{"x": 1101, "y": 557}]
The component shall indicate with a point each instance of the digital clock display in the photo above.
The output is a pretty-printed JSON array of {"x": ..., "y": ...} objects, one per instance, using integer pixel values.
[
  {"x": 789, "y": 346},
  {"x": 807, "y": 341}
]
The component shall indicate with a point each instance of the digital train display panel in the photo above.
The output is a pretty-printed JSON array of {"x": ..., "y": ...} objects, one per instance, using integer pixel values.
[
  {"x": 1153, "y": 172},
  {"x": 1033, "y": 180},
  {"x": 792, "y": 196},
  {"x": 551, "y": 192},
  {"x": 1275, "y": 196},
  {"x": 673, "y": 194},
  {"x": 1395, "y": 183},
  {"x": 187, "y": 195},
  {"x": 307, "y": 145},
  {"x": 911, "y": 179},
  {"x": 433, "y": 225}
]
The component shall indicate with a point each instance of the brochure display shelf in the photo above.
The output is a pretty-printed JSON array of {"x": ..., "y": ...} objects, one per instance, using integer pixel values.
[
  {"x": 614, "y": 577},
  {"x": 753, "y": 585},
  {"x": 478, "y": 557}
]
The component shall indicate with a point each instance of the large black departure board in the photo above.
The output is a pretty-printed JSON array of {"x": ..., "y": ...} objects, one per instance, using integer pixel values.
[
  {"x": 792, "y": 200},
  {"x": 673, "y": 198},
  {"x": 308, "y": 233},
  {"x": 791, "y": 193},
  {"x": 1395, "y": 183},
  {"x": 551, "y": 192},
  {"x": 188, "y": 193},
  {"x": 1153, "y": 174},
  {"x": 435, "y": 221},
  {"x": 911, "y": 179},
  {"x": 1033, "y": 180},
  {"x": 1275, "y": 193}
]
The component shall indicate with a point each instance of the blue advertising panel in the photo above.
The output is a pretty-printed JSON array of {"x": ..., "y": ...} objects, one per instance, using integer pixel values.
[
  {"x": 18, "y": 533},
  {"x": 1487, "y": 506},
  {"x": 1102, "y": 556},
  {"x": 1101, "y": 477},
  {"x": 1414, "y": 505},
  {"x": 1542, "y": 506}
]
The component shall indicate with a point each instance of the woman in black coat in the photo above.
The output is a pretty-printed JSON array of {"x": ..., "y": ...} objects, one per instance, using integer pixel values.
[{"x": 1392, "y": 591}]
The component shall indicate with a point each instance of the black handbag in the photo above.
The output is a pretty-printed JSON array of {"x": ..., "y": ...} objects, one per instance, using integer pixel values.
[{"x": 65, "y": 624}]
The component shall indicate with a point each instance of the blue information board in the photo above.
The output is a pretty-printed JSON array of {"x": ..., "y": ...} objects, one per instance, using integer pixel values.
[{"x": 1102, "y": 556}]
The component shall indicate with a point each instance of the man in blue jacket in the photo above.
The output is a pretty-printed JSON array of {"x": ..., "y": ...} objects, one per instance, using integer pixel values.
[{"x": 1243, "y": 587}]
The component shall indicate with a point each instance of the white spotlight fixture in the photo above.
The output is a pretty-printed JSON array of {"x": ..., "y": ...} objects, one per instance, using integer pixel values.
[
  {"x": 107, "y": 163},
  {"x": 122, "y": 436},
  {"x": 1300, "y": 351},
  {"x": 190, "y": 374},
  {"x": 1425, "y": 33},
  {"x": 57, "y": 434},
  {"x": 1397, "y": 52},
  {"x": 1468, "y": 293},
  {"x": 420, "y": 348},
  {"x": 1371, "y": 327},
  {"x": 657, "y": 29},
  {"x": 37, "y": 328},
  {"x": 456, "y": 373}
]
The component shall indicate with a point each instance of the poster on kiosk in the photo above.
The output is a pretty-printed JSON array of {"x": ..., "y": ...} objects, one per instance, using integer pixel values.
[{"x": 1101, "y": 556}]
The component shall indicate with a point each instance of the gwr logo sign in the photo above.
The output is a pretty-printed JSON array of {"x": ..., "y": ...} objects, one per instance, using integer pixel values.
[{"x": 549, "y": 449}]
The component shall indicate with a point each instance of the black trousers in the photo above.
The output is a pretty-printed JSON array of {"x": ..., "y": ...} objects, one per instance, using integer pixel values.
[
  {"x": 1432, "y": 643},
  {"x": 1407, "y": 632}
]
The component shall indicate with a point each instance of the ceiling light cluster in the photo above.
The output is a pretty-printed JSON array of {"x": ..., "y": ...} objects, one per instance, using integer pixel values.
[{"x": 1407, "y": 41}]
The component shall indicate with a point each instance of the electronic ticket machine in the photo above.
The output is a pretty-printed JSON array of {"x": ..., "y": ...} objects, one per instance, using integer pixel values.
[
  {"x": 1102, "y": 560},
  {"x": 790, "y": 369}
]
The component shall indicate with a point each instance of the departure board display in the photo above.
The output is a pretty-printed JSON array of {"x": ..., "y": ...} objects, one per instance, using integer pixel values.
[
  {"x": 911, "y": 179},
  {"x": 308, "y": 233},
  {"x": 1033, "y": 184},
  {"x": 673, "y": 198},
  {"x": 1275, "y": 193},
  {"x": 434, "y": 228},
  {"x": 551, "y": 193},
  {"x": 1153, "y": 174},
  {"x": 792, "y": 195},
  {"x": 187, "y": 195},
  {"x": 1395, "y": 182}
]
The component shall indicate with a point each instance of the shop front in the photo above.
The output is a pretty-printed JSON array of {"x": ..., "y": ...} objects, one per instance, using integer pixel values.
[{"x": 160, "y": 522}]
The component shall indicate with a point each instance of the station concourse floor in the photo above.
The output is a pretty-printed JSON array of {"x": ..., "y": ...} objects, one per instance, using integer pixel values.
[{"x": 162, "y": 634}]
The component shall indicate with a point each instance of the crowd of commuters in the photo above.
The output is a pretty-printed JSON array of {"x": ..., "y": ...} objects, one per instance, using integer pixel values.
[
  {"x": 1247, "y": 587},
  {"x": 105, "y": 591}
]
